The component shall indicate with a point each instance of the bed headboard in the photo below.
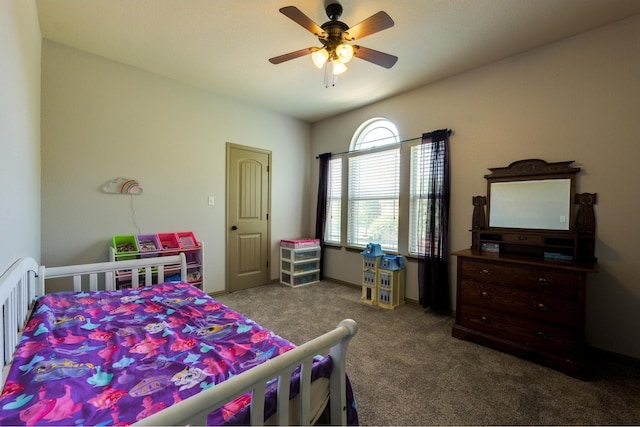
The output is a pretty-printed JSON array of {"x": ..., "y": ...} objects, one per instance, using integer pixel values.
[
  {"x": 151, "y": 269},
  {"x": 17, "y": 294}
]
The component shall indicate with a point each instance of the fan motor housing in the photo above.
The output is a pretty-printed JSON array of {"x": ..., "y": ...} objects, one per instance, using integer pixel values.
[{"x": 334, "y": 11}]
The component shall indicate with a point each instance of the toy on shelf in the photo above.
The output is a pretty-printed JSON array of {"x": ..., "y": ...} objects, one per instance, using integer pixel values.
[{"x": 160, "y": 244}]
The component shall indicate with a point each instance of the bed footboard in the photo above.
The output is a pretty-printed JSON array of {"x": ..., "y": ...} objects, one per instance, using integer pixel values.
[
  {"x": 194, "y": 410},
  {"x": 24, "y": 281}
]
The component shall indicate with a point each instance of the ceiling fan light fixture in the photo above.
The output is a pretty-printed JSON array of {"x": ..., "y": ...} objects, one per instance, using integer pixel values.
[
  {"x": 334, "y": 35},
  {"x": 344, "y": 52},
  {"x": 319, "y": 57},
  {"x": 338, "y": 67}
]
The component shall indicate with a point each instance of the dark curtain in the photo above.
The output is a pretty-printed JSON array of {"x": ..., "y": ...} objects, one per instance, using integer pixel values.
[
  {"x": 321, "y": 213},
  {"x": 433, "y": 272}
]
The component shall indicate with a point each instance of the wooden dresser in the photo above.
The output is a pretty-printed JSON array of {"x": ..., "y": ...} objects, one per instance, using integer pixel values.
[
  {"x": 521, "y": 286},
  {"x": 527, "y": 307}
]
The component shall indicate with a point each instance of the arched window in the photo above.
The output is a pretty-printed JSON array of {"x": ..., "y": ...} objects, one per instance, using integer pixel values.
[
  {"x": 374, "y": 133},
  {"x": 364, "y": 191},
  {"x": 374, "y": 185}
]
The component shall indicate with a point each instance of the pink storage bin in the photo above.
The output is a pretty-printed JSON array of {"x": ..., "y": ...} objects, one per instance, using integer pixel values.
[
  {"x": 186, "y": 240},
  {"x": 169, "y": 242},
  {"x": 299, "y": 243}
]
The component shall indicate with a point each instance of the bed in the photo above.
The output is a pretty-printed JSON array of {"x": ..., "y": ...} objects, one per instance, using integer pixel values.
[{"x": 157, "y": 353}]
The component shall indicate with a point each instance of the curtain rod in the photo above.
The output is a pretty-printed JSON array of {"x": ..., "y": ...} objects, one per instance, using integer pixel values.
[{"x": 449, "y": 132}]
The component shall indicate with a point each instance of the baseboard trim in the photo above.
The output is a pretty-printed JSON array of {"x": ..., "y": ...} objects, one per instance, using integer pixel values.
[
  {"x": 614, "y": 357},
  {"x": 341, "y": 282}
]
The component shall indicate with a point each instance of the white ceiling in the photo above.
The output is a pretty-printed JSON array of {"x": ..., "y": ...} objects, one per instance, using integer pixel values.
[{"x": 223, "y": 46}]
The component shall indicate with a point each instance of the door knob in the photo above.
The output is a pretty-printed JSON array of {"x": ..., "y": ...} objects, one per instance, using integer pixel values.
[{"x": 233, "y": 227}]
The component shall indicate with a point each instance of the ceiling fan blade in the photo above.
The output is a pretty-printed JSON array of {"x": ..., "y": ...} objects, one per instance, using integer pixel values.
[
  {"x": 378, "y": 22},
  {"x": 300, "y": 18},
  {"x": 376, "y": 57},
  {"x": 292, "y": 55}
]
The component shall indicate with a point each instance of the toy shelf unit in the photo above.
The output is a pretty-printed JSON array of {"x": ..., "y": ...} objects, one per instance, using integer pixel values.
[
  {"x": 299, "y": 262},
  {"x": 383, "y": 277},
  {"x": 126, "y": 247}
]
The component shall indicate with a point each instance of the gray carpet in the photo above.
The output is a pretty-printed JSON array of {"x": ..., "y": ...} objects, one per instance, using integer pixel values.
[{"x": 406, "y": 369}]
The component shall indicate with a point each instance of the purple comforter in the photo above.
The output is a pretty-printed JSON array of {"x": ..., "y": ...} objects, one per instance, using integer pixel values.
[{"x": 115, "y": 357}]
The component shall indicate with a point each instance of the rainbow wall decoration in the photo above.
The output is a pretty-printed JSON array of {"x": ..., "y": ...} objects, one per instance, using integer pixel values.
[{"x": 123, "y": 186}]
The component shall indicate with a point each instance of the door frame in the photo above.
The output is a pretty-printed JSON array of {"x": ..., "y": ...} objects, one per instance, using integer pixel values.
[{"x": 230, "y": 146}]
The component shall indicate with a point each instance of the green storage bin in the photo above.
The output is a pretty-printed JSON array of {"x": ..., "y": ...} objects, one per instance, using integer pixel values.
[{"x": 125, "y": 247}]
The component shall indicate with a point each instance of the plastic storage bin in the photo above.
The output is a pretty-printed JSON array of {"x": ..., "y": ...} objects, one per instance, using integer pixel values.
[
  {"x": 299, "y": 266},
  {"x": 306, "y": 279},
  {"x": 299, "y": 243},
  {"x": 300, "y": 255},
  {"x": 148, "y": 245},
  {"x": 187, "y": 239},
  {"x": 304, "y": 255},
  {"x": 303, "y": 267},
  {"x": 125, "y": 247},
  {"x": 169, "y": 242}
]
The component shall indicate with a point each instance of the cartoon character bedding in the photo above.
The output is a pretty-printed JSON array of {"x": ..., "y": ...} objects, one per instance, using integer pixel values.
[{"x": 115, "y": 357}]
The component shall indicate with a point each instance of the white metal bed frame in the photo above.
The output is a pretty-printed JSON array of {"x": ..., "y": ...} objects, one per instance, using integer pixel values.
[{"x": 24, "y": 281}]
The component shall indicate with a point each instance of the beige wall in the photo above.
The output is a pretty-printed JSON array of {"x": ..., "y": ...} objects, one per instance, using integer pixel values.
[
  {"x": 577, "y": 99},
  {"x": 20, "y": 43},
  {"x": 102, "y": 120}
]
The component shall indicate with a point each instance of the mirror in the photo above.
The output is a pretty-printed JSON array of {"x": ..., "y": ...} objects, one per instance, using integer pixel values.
[
  {"x": 532, "y": 204},
  {"x": 532, "y": 195},
  {"x": 532, "y": 209}
]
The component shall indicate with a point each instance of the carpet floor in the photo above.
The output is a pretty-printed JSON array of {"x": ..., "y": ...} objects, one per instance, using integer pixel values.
[{"x": 406, "y": 369}]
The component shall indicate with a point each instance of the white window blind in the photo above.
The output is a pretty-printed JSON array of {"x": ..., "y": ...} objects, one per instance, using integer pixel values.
[
  {"x": 334, "y": 202},
  {"x": 374, "y": 190}
]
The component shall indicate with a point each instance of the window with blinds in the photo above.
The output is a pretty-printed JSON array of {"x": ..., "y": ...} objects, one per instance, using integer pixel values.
[
  {"x": 332, "y": 232},
  {"x": 373, "y": 199}
]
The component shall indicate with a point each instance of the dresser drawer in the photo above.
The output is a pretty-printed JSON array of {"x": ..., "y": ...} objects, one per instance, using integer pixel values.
[
  {"x": 523, "y": 239},
  {"x": 526, "y": 332},
  {"x": 562, "y": 283},
  {"x": 519, "y": 301}
]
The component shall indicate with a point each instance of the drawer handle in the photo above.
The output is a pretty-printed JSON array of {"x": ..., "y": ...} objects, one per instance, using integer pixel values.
[
  {"x": 485, "y": 295},
  {"x": 485, "y": 319},
  {"x": 522, "y": 237},
  {"x": 543, "y": 282},
  {"x": 541, "y": 307},
  {"x": 542, "y": 335},
  {"x": 485, "y": 272}
]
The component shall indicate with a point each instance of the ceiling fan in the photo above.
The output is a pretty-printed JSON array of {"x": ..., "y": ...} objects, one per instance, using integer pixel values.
[{"x": 334, "y": 36}]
